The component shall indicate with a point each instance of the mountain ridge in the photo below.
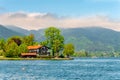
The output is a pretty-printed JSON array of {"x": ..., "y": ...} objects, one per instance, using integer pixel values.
[
  {"x": 5, "y": 32},
  {"x": 89, "y": 39}
]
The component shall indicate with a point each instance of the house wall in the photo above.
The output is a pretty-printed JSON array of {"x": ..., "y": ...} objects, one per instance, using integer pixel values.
[
  {"x": 34, "y": 50},
  {"x": 41, "y": 51}
]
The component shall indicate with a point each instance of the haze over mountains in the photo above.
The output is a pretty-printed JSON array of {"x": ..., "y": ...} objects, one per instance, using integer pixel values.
[
  {"x": 5, "y": 32},
  {"x": 90, "y": 39}
]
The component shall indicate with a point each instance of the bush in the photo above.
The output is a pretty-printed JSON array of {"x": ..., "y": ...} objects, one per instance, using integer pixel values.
[
  {"x": 61, "y": 56},
  {"x": 9, "y": 53}
]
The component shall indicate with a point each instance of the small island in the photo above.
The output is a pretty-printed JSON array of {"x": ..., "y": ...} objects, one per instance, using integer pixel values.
[{"x": 27, "y": 48}]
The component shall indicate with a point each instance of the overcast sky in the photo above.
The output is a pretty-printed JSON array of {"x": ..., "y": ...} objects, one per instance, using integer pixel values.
[{"x": 37, "y": 14}]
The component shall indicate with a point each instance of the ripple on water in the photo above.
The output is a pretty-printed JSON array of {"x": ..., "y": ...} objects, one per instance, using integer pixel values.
[{"x": 77, "y": 69}]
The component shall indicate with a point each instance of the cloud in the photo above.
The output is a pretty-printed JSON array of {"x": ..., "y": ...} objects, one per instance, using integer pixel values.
[
  {"x": 43, "y": 20},
  {"x": 18, "y": 15}
]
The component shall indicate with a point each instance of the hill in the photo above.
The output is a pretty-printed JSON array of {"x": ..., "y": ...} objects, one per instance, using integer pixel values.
[
  {"x": 90, "y": 39},
  {"x": 39, "y": 34},
  {"x": 93, "y": 39},
  {"x": 5, "y": 32},
  {"x": 17, "y": 29}
]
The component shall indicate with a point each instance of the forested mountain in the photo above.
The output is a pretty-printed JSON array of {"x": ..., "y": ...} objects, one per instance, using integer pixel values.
[
  {"x": 93, "y": 39},
  {"x": 89, "y": 39},
  {"x": 39, "y": 34},
  {"x": 5, "y": 32}
]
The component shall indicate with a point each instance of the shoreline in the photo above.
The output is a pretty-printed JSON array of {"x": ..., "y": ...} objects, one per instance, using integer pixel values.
[{"x": 4, "y": 58}]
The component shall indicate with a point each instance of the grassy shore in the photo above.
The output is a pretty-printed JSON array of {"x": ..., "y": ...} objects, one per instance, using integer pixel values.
[{"x": 5, "y": 58}]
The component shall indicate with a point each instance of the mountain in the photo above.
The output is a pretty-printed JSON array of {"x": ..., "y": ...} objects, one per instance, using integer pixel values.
[
  {"x": 39, "y": 34},
  {"x": 90, "y": 39},
  {"x": 5, "y": 32},
  {"x": 17, "y": 29},
  {"x": 93, "y": 39}
]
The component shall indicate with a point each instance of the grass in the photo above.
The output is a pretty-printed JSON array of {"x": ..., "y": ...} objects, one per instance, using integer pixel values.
[{"x": 5, "y": 58}]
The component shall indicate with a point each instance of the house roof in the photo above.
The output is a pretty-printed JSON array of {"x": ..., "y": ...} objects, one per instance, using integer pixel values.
[{"x": 34, "y": 47}]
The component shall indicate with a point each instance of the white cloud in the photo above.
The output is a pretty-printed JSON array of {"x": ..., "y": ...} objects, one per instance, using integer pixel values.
[{"x": 43, "y": 20}]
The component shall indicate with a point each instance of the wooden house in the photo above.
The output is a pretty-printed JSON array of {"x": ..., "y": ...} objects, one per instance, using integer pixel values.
[{"x": 34, "y": 51}]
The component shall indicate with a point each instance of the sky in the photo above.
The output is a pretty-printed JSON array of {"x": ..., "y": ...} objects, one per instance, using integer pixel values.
[{"x": 38, "y": 14}]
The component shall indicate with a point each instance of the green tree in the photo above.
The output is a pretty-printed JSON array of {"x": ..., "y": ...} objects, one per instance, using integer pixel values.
[
  {"x": 16, "y": 39},
  {"x": 2, "y": 43},
  {"x": 11, "y": 50},
  {"x": 56, "y": 46},
  {"x": 68, "y": 49},
  {"x": 44, "y": 43},
  {"x": 22, "y": 49},
  {"x": 28, "y": 40},
  {"x": 55, "y": 39},
  {"x": 81, "y": 53}
]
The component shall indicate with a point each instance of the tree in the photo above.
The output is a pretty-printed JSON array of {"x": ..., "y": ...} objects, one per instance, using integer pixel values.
[
  {"x": 55, "y": 39},
  {"x": 57, "y": 46},
  {"x": 44, "y": 43},
  {"x": 2, "y": 43},
  {"x": 16, "y": 39},
  {"x": 22, "y": 49},
  {"x": 11, "y": 49},
  {"x": 28, "y": 40},
  {"x": 81, "y": 53},
  {"x": 68, "y": 49}
]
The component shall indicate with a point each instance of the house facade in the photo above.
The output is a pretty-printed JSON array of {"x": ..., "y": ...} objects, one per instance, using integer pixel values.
[{"x": 34, "y": 51}]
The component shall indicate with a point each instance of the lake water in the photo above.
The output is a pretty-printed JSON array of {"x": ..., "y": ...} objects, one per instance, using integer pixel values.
[{"x": 77, "y": 69}]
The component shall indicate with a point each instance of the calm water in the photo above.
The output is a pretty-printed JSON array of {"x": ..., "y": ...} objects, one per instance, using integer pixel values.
[{"x": 77, "y": 69}]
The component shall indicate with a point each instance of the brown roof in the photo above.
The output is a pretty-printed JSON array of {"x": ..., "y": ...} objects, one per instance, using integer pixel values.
[
  {"x": 28, "y": 54},
  {"x": 34, "y": 47}
]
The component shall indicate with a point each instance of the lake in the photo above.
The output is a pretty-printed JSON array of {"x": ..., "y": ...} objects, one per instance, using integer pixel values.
[{"x": 77, "y": 69}]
